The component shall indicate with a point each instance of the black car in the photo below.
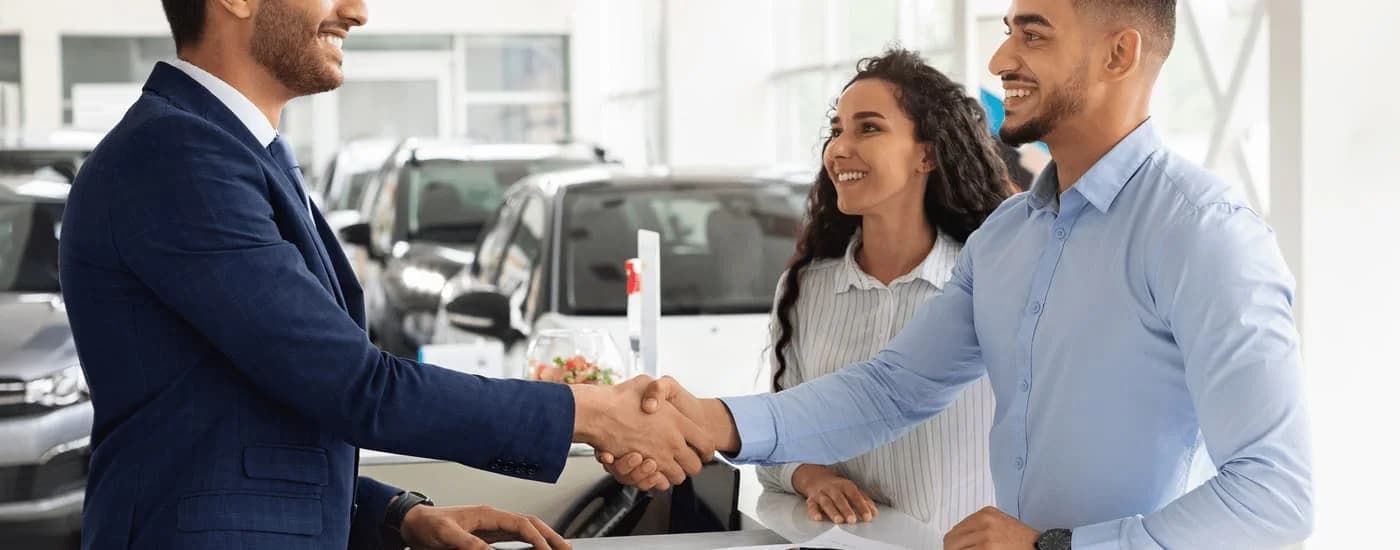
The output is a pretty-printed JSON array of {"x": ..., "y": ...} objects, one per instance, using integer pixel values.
[{"x": 424, "y": 213}]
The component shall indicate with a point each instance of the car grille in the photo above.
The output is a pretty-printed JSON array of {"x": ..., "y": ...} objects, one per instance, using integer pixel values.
[
  {"x": 13, "y": 403},
  {"x": 61, "y": 474}
]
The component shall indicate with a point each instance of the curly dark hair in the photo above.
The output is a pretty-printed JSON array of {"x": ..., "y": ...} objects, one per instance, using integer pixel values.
[{"x": 968, "y": 182}]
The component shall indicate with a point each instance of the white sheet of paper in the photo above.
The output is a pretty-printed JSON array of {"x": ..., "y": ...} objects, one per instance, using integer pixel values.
[
  {"x": 649, "y": 251},
  {"x": 833, "y": 538},
  {"x": 484, "y": 358}
]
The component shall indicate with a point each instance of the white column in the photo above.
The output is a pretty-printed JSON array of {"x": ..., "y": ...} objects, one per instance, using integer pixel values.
[
  {"x": 41, "y": 77},
  {"x": 717, "y": 59},
  {"x": 1351, "y": 264}
]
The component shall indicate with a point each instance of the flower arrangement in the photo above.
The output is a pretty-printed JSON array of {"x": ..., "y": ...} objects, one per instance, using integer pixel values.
[{"x": 574, "y": 370}]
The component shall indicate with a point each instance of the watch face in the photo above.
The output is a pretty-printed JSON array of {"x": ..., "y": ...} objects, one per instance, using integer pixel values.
[{"x": 1054, "y": 539}]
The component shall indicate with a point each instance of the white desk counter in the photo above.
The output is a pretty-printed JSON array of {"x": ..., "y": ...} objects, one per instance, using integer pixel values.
[{"x": 786, "y": 515}]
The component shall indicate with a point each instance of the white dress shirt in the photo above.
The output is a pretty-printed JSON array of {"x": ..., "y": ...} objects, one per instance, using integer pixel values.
[
  {"x": 939, "y": 471},
  {"x": 239, "y": 104}
]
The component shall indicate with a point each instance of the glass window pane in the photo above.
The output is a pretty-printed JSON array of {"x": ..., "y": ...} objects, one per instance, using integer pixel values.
[
  {"x": 541, "y": 123},
  {"x": 870, "y": 26},
  {"x": 381, "y": 42},
  {"x": 936, "y": 24},
  {"x": 799, "y": 33},
  {"x": 398, "y": 109},
  {"x": 514, "y": 63},
  {"x": 805, "y": 102},
  {"x": 9, "y": 59}
]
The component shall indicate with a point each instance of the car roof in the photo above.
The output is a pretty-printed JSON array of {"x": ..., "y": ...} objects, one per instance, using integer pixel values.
[
  {"x": 61, "y": 141},
  {"x": 554, "y": 182},
  {"x": 34, "y": 188},
  {"x": 440, "y": 149}
]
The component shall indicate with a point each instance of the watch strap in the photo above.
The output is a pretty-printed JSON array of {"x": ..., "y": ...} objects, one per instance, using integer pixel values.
[{"x": 398, "y": 509}]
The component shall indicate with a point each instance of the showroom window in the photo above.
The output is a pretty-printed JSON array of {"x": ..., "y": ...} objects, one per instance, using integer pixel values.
[
  {"x": 9, "y": 82},
  {"x": 517, "y": 89},
  {"x": 1212, "y": 100},
  {"x": 102, "y": 75},
  {"x": 632, "y": 122},
  {"x": 816, "y": 47}
]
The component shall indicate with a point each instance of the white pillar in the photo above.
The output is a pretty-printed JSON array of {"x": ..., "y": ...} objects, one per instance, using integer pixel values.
[
  {"x": 41, "y": 77},
  {"x": 1351, "y": 264}
]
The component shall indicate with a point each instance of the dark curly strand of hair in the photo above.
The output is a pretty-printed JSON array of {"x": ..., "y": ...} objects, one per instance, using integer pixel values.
[{"x": 967, "y": 184}]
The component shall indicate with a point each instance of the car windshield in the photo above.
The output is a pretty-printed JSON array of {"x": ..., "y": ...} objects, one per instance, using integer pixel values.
[
  {"x": 451, "y": 200},
  {"x": 354, "y": 191},
  {"x": 723, "y": 246},
  {"x": 29, "y": 229}
]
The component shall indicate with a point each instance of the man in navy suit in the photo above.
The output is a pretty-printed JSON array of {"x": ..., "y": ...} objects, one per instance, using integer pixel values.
[{"x": 222, "y": 332}]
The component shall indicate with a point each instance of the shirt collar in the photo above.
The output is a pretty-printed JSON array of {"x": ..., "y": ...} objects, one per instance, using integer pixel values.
[
  {"x": 936, "y": 268},
  {"x": 1106, "y": 178},
  {"x": 235, "y": 101}
]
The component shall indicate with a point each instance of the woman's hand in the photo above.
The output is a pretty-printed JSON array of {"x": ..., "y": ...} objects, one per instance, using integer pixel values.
[{"x": 832, "y": 496}]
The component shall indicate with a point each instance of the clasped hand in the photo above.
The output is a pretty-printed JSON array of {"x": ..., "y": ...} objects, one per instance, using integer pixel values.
[
  {"x": 650, "y": 472},
  {"x": 635, "y": 420}
]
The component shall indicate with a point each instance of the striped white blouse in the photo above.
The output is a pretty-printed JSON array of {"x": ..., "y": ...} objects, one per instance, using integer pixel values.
[{"x": 938, "y": 472}]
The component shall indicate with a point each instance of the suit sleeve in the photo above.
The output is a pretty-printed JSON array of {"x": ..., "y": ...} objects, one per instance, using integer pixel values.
[
  {"x": 195, "y": 224},
  {"x": 367, "y": 532}
]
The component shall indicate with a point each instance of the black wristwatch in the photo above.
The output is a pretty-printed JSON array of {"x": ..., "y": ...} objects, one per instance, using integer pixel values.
[
  {"x": 393, "y": 517},
  {"x": 1054, "y": 539}
]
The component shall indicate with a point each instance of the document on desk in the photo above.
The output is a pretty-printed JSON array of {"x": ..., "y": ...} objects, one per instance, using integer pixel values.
[{"x": 833, "y": 539}]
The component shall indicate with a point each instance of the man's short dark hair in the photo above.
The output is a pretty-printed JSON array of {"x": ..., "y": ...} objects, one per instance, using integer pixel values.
[
  {"x": 186, "y": 19},
  {"x": 1155, "y": 19}
]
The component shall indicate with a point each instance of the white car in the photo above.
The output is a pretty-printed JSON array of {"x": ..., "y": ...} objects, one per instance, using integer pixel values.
[{"x": 553, "y": 257}]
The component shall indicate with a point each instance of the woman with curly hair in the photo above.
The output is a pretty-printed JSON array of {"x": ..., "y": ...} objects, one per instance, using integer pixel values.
[{"x": 909, "y": 171}]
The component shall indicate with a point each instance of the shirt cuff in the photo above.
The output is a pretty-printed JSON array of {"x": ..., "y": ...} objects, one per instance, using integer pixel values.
[
  {"x": 1119, "y": 534},
  {"x": 785, "y": 476},
  {"x": 757, "y": 427}
]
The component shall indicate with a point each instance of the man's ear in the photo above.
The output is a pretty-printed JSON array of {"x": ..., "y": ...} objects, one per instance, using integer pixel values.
[
  {"x": 1124, "y": 54},
  {"x": 239, "y": 9}
]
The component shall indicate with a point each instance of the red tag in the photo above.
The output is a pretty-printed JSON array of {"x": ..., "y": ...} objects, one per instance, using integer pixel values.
[{"x": 634, "y": 277}]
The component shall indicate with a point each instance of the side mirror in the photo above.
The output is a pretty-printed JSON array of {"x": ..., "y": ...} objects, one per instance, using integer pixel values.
[
  {"x": 485, "y": 313},
  {"x": 356, "y": 234}
]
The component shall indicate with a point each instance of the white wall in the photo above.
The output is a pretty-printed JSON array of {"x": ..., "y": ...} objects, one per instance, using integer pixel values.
[
  {"x": 714, "y": 83},
  {"x": 41, "y": 23},
  {"x": 1351, "y": 266},
  {"x": 716, "y": 96}
]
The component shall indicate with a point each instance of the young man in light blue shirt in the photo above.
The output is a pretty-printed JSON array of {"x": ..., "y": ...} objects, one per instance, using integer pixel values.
[{"x": 1131, "y": 311}]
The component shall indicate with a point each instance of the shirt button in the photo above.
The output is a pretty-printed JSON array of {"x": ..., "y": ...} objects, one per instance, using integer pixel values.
[
  {"x": 1060, "y": 234},
  {"x": 1020, "y": 463},
  {"x": 1025, "y": 386},
  {"x": 1035, "y": 308}
]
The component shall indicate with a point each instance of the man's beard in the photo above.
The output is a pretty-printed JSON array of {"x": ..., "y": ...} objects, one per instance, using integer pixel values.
[
  {"x": 281, "y": 45},
  {"x": 1066, "y": 102}
]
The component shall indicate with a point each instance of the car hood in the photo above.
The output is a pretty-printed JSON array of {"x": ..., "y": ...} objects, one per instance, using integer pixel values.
[
  {"x": 448, "y": 258},
  {"x": 36, "y": 340}
]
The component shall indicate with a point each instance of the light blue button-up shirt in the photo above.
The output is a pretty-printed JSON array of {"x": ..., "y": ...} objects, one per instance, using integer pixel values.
[{"x": 1139, "y": 318}]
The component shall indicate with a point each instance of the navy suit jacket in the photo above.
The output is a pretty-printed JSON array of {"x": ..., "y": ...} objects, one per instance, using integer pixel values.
[{"x": 222, "y": 334}]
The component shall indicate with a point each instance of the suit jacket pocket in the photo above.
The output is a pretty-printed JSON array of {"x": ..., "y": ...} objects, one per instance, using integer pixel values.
[
  {"x": 246, "y": 511},
  {"x": 298, "y": 464}
]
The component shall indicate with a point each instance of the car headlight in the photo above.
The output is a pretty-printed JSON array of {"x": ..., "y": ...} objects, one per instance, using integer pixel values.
[
  {"x": 422, "y": 281},
  {"x": 60, "y": 389}
]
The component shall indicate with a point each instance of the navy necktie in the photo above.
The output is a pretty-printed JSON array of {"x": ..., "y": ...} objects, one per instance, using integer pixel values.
[{"x": 287, "y": 160}]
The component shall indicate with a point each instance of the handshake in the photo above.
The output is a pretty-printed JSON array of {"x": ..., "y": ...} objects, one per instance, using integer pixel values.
[{"x": 651, "y": 434}]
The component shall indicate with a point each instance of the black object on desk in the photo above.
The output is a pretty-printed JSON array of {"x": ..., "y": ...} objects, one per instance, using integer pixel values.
[
  {"x": 708, "y": 502},
  {"x": 705, "y": 503}
]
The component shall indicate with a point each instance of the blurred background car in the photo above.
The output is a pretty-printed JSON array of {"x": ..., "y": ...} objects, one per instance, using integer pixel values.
[
  {"x": 553, "y": 258},
  {"x": 423, "y": 213},
  {"x": 45, "y": 413}
]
